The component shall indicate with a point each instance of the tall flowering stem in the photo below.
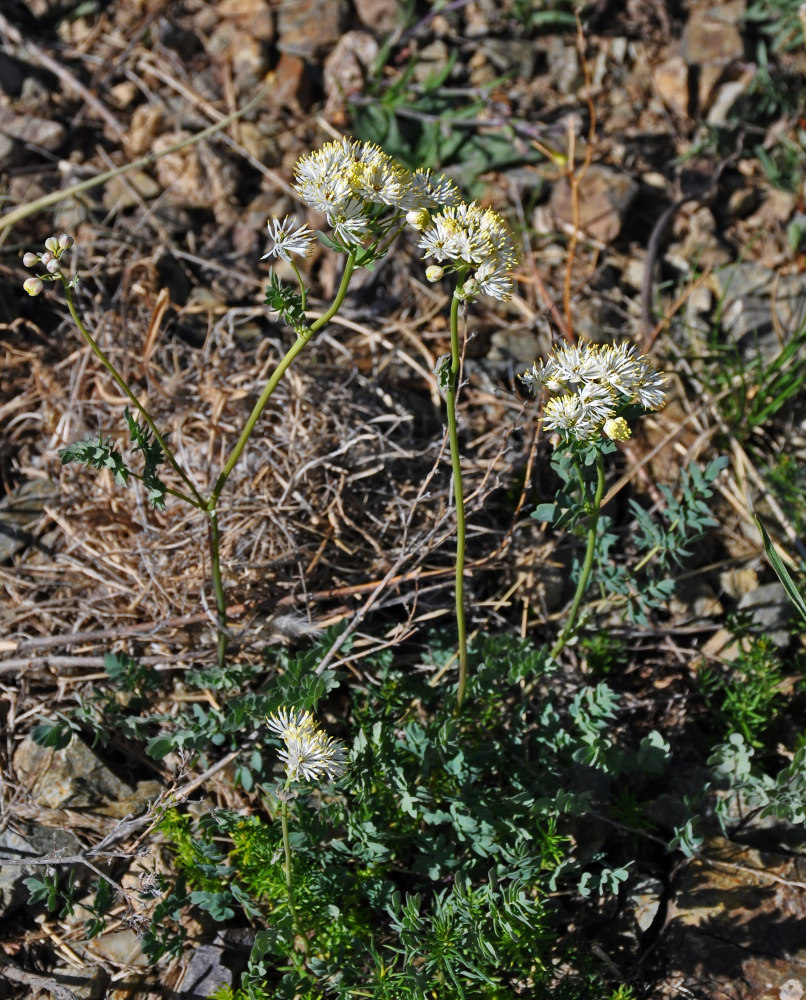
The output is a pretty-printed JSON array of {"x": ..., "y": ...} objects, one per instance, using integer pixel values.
[
  {"x": 289, "y": 870},
  {"x": 303, "y": 337},
  {"x": 458, "y": 493},
  {"x": 474, "y": 244}
]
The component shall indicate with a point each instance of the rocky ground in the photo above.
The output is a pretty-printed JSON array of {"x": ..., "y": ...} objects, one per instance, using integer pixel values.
[{"x": 652, "y": 161}]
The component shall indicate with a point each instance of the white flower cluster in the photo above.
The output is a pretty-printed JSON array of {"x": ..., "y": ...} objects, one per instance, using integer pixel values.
[
  {"x": 471, "y": 238},
  {"x": 55, "y": 246},
  {"x": 309, "y": 753},
  {"x": 591, "y": 384},
  {"x": 354, "y": 184}
]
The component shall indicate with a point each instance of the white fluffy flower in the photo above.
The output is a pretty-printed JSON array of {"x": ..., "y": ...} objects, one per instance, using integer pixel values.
[
  {"x": 286, "y": 239},
  {"x": 310, "y": 755},
  {"x": 469, "y": 236},
  {"x": 308, "y": 752},
  {"x": 596, "y": 382}
]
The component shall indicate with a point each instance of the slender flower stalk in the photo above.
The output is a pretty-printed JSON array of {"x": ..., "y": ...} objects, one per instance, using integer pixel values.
[
  {"x": 458, "y": 493},
  {"x": 309, "y": 755},
  {"x": 303, "y": 336},
  {"x": 302, "y": 339}
]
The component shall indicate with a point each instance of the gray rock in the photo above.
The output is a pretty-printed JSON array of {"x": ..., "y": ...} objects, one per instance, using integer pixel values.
[
  {"x": 37, "y": 132},
  {"x": 206, "y": 972},
  {"x": 20, "y": 514},
  {"x": 28, "y": 841},
  {"x": 750, "y": 293},
  {"x": 73, "y": 778},
  {"x": 771, "y": 612},
  {"x": 310, "y": 28},
  {"x": 85, "y": 984}
]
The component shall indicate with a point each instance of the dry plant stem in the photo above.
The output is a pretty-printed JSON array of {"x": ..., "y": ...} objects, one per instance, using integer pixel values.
[
  {"x": 587, "y": 565},
  {"x": 196, "y": 499},
  {"x": 458, "y": 493}
]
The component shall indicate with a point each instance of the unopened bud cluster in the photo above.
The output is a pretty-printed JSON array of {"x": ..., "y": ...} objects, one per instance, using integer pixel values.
[{"x": 55, "y": 247}]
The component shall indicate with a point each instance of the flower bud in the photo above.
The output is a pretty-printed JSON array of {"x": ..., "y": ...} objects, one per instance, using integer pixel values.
[
  {"x": 472, "y": 288},
  {"x": 434, "y": 272},
  {"x": 65, "y": 241},
  {"x": 52, "y": 266},
  {"x": 29, "y": 259},
  {"x": 45, "y": 257},
  {"x": 617, "y": 429},
  {"x": 418, "y": 218},
  {"x": 33, "y": 286},
  {"x": 52, "y": 244}
]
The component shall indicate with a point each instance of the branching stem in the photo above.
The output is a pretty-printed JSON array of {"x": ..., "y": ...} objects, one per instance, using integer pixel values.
[{"x": 196, "y": 500}]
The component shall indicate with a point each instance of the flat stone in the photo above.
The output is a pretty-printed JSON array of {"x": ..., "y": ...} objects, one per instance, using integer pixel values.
[
  {"x": 252, "y": 16},
  {"x": 726, "y": 97},
  {"x": 346, "y": 68},
  {"x": 713, "y": 35},
  {"x": 292, "y": 83},
  {"x": 732, "y": 934},
  {"x": 86, "y": 984},
  {"x": 671, "y": 80},
  {"x": 605, "y": 196},
  {"x": 563, "y": 64},
  {"x": 128, "y": 190},
  {"x": 379, "y": 16},
  {"x": 118, "y": 947},
  {"x": 73, "y": 778},
  {"x": 38, "y": 132},
  {"x": 749, "y": 293},
  {"x": 206, "y": 972},
  {"x": 21, "y": 512},
  {"x": 28, "y": 840},
  {"x": 770, "y": 611},
  {"x": 310, "y": 28}
]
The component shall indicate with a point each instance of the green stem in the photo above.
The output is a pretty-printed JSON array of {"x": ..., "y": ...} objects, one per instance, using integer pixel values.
[
  {"x": 303, "y": 336},
  {"x": 458, "y": 493},
  {"x": 197, "y": 500},
  {"x": 289, "y": 875},
  {"x": 303, "y": 295},
  {"x": 590, "y": 552},
  {"x": 218, "y": 588}
]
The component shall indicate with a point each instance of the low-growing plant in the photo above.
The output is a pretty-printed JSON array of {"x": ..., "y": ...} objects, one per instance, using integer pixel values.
[
  {"x": 745, "y": 695},
  {"x": 425, "y": 860}
]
